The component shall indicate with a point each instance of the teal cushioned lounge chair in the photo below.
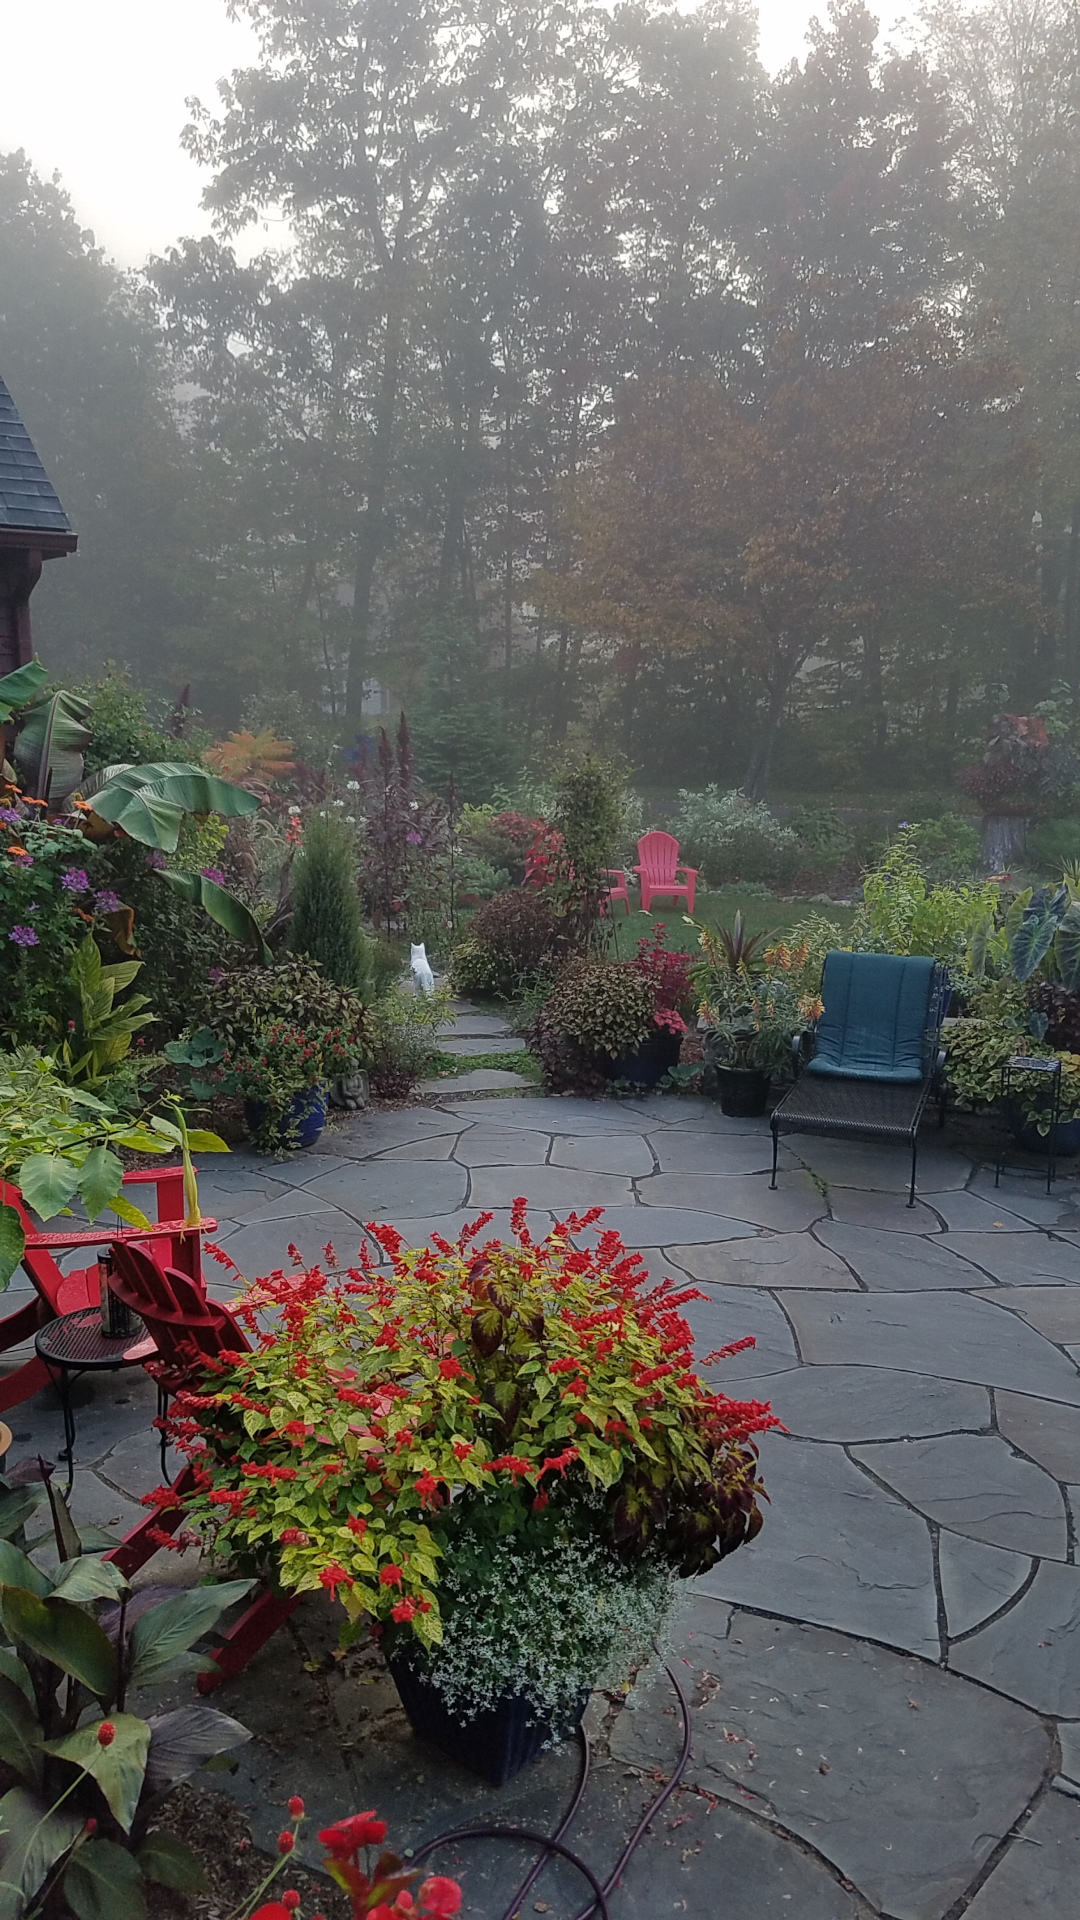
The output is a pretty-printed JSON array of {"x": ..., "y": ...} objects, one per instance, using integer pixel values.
[{"x": 871, "y": 1062}]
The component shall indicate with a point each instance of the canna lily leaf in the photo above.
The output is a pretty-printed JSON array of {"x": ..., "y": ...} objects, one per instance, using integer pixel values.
[
  {"x": 20, "y": 1734},
  {"x": 35, "y": 1839},
  {"x": 103, "y": 1882},
  {"x": 163, "y": 1637},
  {"x": 63, "y": 1634},
  {"x": 16, "y": 1570},
  {"x": 16, "y": 1508},
  {"x": 119, "y": 1768},
  {"x": 167, "y": 1860},
  {"x": 182, "y": 1741},
  {"x": 89, "y": 1578}
]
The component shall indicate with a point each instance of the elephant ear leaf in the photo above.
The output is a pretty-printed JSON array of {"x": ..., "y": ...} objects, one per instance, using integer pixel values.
[
  {"x": 1039, "y": 923},
  {"x": 149, "y": 802},
  {"x": 1067, "y": 948},
  {"x": 53, "y": 735},
  {"x": 222, "y": 906}
]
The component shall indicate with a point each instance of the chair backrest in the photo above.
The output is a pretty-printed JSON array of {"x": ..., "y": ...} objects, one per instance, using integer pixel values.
[
  {"x": 184, "y": 1324},
  {"x": 658, "y": 854},
  {"x": 877, "y": 1012}
]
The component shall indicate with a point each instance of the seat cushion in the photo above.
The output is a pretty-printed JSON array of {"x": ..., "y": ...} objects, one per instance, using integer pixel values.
[{"x": 874, "y": 1023}]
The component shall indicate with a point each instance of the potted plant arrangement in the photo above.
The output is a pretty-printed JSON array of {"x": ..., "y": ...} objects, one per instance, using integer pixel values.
[
  {"x": 749, "y": 1009},
  {"x": 502, "y": 1458},
  {"x": 614, "y": 1020},
  {"x": 276, "y": 1037}
]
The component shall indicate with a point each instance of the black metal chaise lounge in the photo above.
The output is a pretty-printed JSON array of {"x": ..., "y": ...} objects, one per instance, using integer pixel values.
[{"x": 871, "y": 1062}]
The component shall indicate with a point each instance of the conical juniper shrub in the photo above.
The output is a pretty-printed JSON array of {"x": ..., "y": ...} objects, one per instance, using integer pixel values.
[
  {"x": 408, "y": 1430},
  {"x": 326, "y": 920}
]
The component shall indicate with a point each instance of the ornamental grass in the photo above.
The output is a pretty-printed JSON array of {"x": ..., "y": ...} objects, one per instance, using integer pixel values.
[{"x": 534, "y": 1391}]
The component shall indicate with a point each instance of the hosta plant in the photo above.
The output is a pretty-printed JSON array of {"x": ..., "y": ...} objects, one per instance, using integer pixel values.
[
  {"x": 78, "y": 1821},
  {"x": 537, "y": 1390}
]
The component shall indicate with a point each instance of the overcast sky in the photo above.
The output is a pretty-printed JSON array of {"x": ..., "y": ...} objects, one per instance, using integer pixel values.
[{"x": 96, "y": 89}]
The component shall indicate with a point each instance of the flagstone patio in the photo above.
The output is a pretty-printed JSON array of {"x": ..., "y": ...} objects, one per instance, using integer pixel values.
[{"x": 885, "y": 1686}]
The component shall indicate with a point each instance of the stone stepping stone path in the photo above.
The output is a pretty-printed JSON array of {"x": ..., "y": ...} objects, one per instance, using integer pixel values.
[
  {"x": 471, "y": 1034},
  {"x": 885, "y": 1686}
]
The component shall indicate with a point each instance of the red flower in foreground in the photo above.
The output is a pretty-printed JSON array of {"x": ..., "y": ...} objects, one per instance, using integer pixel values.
[
  {"x": 390, "y": 1576},
  {"x": 440, "y": 1897},
  {"x": 106, "y": 1734},
  {"x": 286, "y": 1842},
  {"x": 296, "y": 1807},
  {"x": 346, "y": 1837}
]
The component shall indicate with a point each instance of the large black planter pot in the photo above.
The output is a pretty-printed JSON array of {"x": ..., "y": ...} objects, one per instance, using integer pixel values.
[
  {"x": 495, "y": 1744},
  {"x": 655, "y": 1057},
  {"x": 744, "y": 1092},
  {"x": 1060, "y": 1140}
]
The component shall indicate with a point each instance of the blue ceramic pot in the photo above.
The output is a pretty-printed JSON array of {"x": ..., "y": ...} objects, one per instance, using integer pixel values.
[
  {"x": 655, "y": 1057},
  {"x": 302, "y": 1121},
  {"x": 1062, "y": 1139},
  {"x": 495, "y": 1744}
]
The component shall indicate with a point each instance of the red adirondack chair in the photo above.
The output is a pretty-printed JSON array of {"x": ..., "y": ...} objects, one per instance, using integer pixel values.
[
  {"x": 616, "y": 887},
  {"x": 59, "y": 1292},
  {"x": 187, "y": 1329},
  {"x": 658, "y": 870}
]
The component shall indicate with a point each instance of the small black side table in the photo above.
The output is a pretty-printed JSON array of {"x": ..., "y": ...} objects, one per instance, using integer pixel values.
[
  {"x": 1017, "y": 1069},
  {"x": 73, "y": 1345}
]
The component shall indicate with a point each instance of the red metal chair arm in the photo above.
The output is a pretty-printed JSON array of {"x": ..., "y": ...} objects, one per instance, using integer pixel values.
[{"x": 104, "y": 1236}]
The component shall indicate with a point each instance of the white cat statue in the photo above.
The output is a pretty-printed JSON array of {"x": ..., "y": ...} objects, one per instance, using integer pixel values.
[{"x": 421, "y": 969}]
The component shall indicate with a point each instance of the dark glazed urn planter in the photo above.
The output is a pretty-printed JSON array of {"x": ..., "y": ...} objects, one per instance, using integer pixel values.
[
  {"x": 743, "y": 1091},
  {"x": 655, "y": 1057},
  {"x": 495, "y": 1744},
  {"x": 302, "y": 1121}
]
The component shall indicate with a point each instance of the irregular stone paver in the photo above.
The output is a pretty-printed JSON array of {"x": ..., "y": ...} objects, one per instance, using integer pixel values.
[
  {"x": 849, "y": 1404},
  {"x": 968, "y": 1212},
  {"x": 365, "y": 1134},
  {"x": 1069, "y": 1735},
  {"x": 1052, "y": 1311},
  {"x": 569, "y": 1115},
  {"x": 976, "y": 1580},
  {"x": 795, "y": 1205},
  {"x": 1039, "y": 1876},
  {"x": 780, "y": 1260},
  {"x": 1030, "y": 1653},
  {"x": 877, "y": 1167},
  {"x": 1049, "y": 1433},
  {"x": 388, "y": 1187},
  {"x": 258, "y": 1250},
  {"x": 1018, "y": 1258},
  {"x": 886, "y": 1262},
  {"x": 952, "y": 1334},
  {"x": 494, "y": 1147},
  {"x": 1027, "y": 1196},
  {"x": 478, "y": 1080},
  {"x": 604, "y": 1153},
  {"x": 848, "y": 1555},
  {"x": 673, "y": 1226},
  {"x": 886, "y": 1210},
  {"x": 974, "y": 1484},
  {"x": 558, "y": 1187},
  {"x": 732, "y": 1313},
  {"x": 898, "y": 1773},
  {"x": 292, "y": 1204},
  {"x": 464, "y": 1047},
  {"x": 440, "y": 1148},
  {"x": 686, "y": 1152},
  {"x": 470, "y": 1025}
]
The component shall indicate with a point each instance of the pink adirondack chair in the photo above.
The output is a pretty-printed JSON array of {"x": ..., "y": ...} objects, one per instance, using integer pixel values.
[
  {"x": 658, "y": 871},
  {"x": 616, "y": 887}
]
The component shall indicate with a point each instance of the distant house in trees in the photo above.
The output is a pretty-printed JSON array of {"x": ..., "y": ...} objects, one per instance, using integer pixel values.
[{"x": 33, "y": 528}]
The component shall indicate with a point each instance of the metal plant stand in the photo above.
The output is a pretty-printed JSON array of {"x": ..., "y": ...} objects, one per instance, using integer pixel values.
[
  {"x": 75, "y": 1344},
  {"x": 1017, "y": 1069}
]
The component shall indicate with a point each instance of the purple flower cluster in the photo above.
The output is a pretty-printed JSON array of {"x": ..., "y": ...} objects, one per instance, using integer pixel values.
[
  {"x": 24, "y": 937},
  {"x": 75, "y": 880},
  {"x": 215, "y": 874},
  {"x": 107, "y": 901},
  {"x": 9, "y": 816},
  {"x": 23, "y": 859},
  {"x": 155, "y": 860}
]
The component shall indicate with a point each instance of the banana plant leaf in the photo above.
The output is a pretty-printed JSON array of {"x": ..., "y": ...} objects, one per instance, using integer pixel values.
[
  {"x": 19, "y": 688},
  {"x": 53, "y": 735},
  {"x": 222, "y": 906},
  {"x": 1041, "y": 919},
  {"x": 149, "y": 802}
]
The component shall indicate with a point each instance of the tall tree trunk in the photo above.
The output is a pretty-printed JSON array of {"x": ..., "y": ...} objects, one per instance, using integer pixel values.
[
  {"x": 372, "y": 531},
  {"x": 873, "y": 690}
]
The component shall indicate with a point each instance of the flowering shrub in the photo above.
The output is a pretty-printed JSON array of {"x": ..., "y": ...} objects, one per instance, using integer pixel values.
[
  {"x": 380, "y": 1889},
  {"x": 667, "y": 972},
  {"x": 733, "y": 838},
  {"x": 47, "y": 902},
  {"x": 514, "y": 940},
  {"x": 537, "y": 1389}
]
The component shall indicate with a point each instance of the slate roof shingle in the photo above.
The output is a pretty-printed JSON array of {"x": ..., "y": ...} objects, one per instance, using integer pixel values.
[{"x": 27, "y": 495}]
